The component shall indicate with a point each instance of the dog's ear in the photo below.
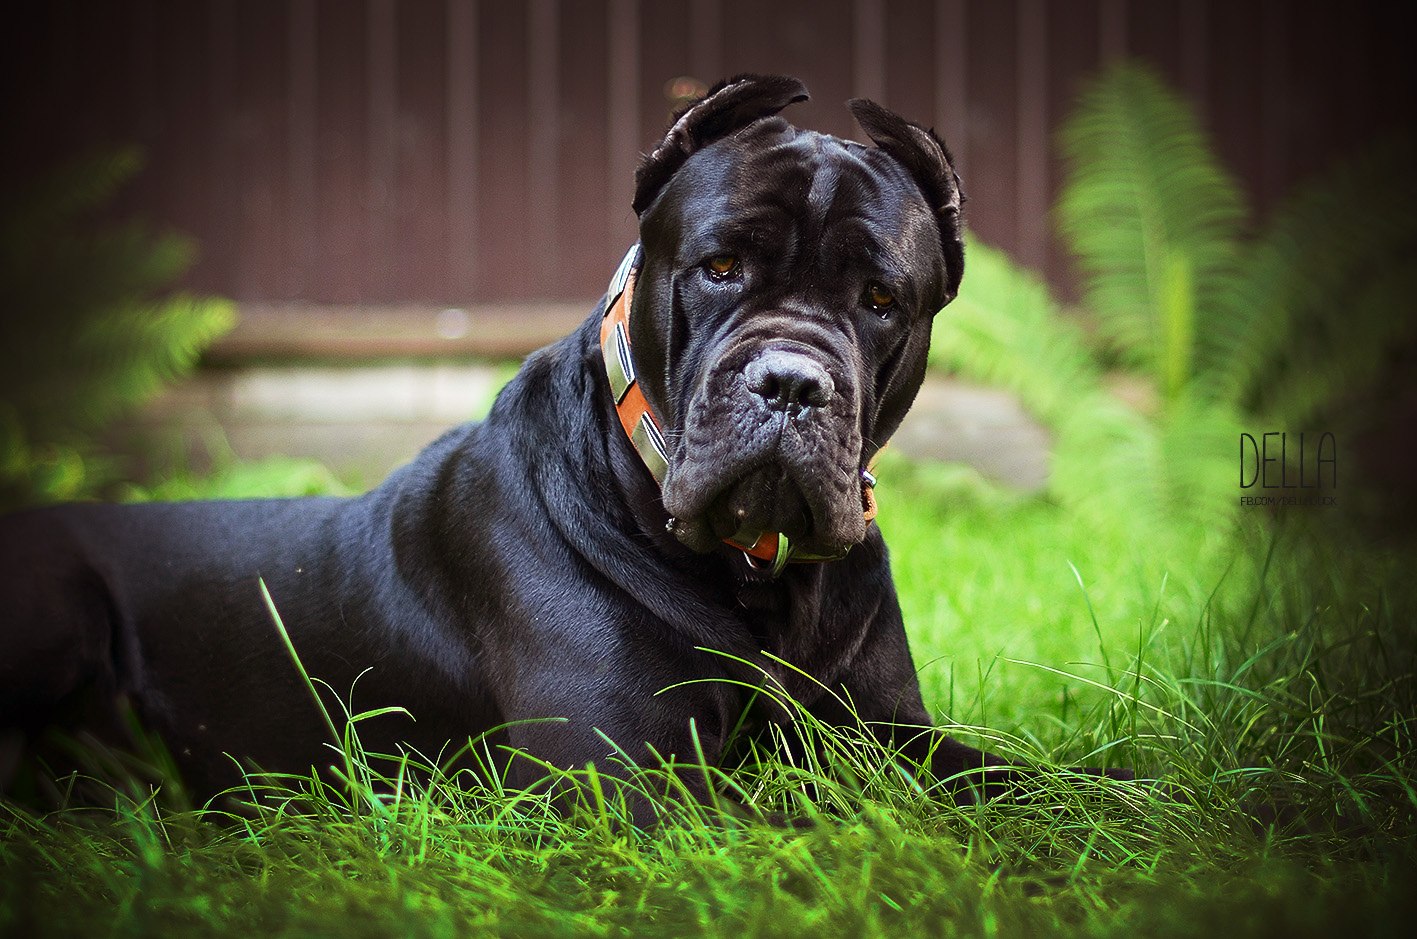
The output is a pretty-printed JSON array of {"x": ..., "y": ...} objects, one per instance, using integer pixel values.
[
  {"x": 732, "y": 104},
  {"x": 929, "y": 162}
]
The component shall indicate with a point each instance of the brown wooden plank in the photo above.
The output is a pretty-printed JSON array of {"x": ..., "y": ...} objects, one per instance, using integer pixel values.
[
  {"x": 543, "y": 149},
  {"x": 1154, "y": 34},
  {"x": 664, "y": 55},
  {"x": 868, "y": 50},
  {"x": 463, "y": 205},
  {"x": 419, "y": 200},
  {"x": 910, "y": 57},
  {"x": 1275, "y": 102},
  {"x": 1391, "y": 68},
  {"x": 138, "y": 66},
  {"x": 381, "y": 148},
  {"x": 622, "y": 122},
  {"x": 1320, "y": 106},
  {"x": 30, "y": 86},
  {"x": 1032, "y": 195},
  {"x": 1073, "y": 53},
  {"x": 302, "y": 144},
  {"x": 504, "y": 120},
  {"x": 192, "y": 154},
  {"x": 587, "y": 253},
  {"x": 1113, "y": 40},
  {"x": 952, "y": 84},
  {"x": 706, "y": 28},
  {"x": 316, "y": 153},
  {"x": 1234, "y": 97},
  {"x": 105, "y": 107},
  {"x": 813, "y": 41},
  {"x": 341, "y": 120},
  {"x": 257, "y": 154},
  {"x": 1195, "y": 53},
  {"x": 992, "y": 129}
]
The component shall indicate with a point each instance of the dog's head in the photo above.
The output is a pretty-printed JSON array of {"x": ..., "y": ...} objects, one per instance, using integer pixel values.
[{"x": 783, "y": 310}]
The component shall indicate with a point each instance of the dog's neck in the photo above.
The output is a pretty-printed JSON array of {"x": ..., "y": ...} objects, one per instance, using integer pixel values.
[{"x": 772, "y": 550}]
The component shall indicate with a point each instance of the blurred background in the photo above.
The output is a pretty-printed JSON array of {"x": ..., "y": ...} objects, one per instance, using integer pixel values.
[
  {"x": 256, "y": 248},
  {"x": 397, "y": 196}
]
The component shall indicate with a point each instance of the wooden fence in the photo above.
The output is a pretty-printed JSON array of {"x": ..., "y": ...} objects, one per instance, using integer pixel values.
[{"x": 373, "y": 153}]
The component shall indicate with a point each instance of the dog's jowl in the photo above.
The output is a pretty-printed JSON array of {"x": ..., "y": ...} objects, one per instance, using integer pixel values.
[{"x": 679, "y": 491}]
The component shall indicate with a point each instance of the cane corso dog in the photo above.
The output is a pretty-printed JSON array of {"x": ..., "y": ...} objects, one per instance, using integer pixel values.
[{"x": 678, "y": 492}]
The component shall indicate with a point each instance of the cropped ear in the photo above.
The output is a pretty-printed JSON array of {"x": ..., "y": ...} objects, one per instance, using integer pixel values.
[
  {"x": 929, "y": 162},
  {"x": 732, "y": 104}
]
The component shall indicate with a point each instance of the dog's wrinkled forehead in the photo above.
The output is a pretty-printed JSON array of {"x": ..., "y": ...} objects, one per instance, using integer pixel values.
[{"x": 774, "y": 188}]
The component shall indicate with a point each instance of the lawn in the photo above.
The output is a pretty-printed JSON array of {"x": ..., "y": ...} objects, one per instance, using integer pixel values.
[
  {"x": 1261, "y": 666},
  {"x": 1268, "y": 680}
]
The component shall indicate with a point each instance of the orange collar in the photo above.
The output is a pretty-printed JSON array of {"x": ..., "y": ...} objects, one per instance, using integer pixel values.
[{"x": 643, "y": 428}]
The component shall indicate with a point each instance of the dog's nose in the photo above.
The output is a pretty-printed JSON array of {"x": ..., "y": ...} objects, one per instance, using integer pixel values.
[{"x": 789, "y": 381}]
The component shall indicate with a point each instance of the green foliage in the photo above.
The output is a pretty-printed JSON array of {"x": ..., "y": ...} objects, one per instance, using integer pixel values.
[
  {"x": 1116, "y": 464},
  {"x": 1153, "y": 219},
  {"x": 1167, "y": 479},
  {"x": 1221, "y": 332},
  {"x": 271, "y": 477},
  {"x": 1327, "y": 292},
  {"x": 89, "y": 326},
  {"x": 1006, "y": 329}
]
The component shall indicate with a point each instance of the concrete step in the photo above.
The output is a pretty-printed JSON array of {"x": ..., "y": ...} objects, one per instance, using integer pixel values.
[{"x": 364, "y": 420}]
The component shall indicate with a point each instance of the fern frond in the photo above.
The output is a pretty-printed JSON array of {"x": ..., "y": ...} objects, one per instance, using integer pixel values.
[
  {"x": 1167, "y": 482},
  {"x": 1005, "y": 329},
  {"x": 31, "y": 212},
  {"x": 143, "y": 348},
  {"x": 112, "y": 362},
  {"x": 1162, "y": 479},
  {"x": 88, "y": 326},
  {"x": 1327, "y": 290},
  {"x": 1153, "y": 219},
  {"x": 1316, "y": 376}
]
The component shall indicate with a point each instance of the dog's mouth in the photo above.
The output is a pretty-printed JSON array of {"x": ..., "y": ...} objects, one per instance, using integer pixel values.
[
  {"x": 766, "y": 500},
  {"x": 761, "y": 502}
]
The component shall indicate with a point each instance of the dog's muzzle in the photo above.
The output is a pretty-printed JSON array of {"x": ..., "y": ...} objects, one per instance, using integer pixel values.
[{"x": 787, "y": 386}]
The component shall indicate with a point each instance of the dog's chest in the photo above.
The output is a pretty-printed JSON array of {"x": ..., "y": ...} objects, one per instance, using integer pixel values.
[{"x": 800, "y": 651}]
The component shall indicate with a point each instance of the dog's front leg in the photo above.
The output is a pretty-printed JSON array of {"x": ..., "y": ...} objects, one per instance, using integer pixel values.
[
  {"x": 648, "y": 742},
  {"x": 882, "y": 691}
]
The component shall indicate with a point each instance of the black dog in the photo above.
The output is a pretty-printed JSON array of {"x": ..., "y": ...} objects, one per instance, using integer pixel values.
[{"x": 688, "y": 471}]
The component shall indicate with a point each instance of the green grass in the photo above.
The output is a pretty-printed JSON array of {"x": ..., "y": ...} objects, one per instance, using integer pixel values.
[{"x": 1270, "y": 675}]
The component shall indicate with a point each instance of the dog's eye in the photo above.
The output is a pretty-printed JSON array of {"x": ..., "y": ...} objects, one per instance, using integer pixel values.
[
  {"x": 721, "y": 266},
  {"x": 879, "y": 299}
]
